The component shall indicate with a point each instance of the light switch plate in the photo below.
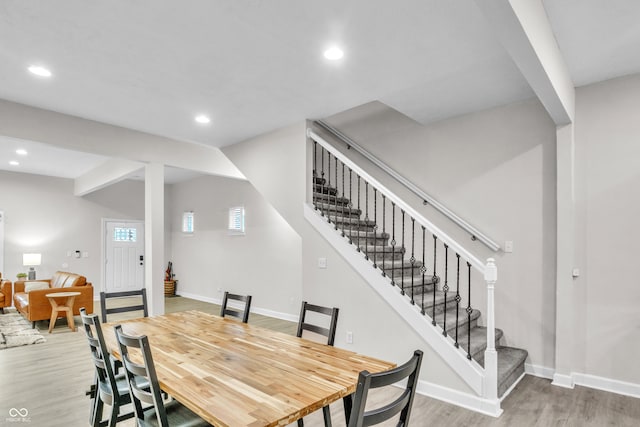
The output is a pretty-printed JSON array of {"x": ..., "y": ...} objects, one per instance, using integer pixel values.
[{"x": 508, "y": 246}]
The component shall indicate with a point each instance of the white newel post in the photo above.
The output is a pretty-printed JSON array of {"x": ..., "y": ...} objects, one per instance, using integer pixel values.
[{"x": 490, "y": 354}]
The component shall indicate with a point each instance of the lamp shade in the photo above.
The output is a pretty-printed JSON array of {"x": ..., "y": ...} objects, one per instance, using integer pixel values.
[{"x": 31, "y": 259}]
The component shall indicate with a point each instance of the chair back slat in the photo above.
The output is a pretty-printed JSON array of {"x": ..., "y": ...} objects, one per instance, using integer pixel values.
[
  {"x": 329, "y": 332},
  {"x": 226, "y": 310},
  {"x": 402, "y": 404},
  {"x": 104, "y": 296}
]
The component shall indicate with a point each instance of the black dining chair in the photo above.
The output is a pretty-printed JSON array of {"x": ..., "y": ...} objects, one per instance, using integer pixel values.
[
  {"x": 173, "y": 413},
  {"x": 402, "y": 404},
  {"x": 142, "y": 306},
  {"x": 226, "y": 310},
  {"x": 109, "y": 388},
  {"x": 329, "y": 332}
]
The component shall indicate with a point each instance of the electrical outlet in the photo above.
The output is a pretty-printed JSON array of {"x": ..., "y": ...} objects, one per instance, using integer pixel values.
[
  {"x": 349, "y": 337},
  {"x": 322, "y": 263}
]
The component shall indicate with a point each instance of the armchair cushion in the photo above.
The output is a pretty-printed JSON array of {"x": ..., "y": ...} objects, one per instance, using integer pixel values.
[{"x": 30, "y": 286}]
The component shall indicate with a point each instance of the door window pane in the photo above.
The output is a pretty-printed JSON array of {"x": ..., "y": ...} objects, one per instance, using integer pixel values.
[{"x": 124, "y": 234}]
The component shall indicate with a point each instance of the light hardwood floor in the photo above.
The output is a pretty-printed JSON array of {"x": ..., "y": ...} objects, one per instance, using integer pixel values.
[{"x": 50, "y": 380}]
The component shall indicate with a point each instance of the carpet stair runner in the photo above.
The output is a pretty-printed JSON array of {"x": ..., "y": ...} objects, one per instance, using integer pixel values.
[{"x": 367, "y": 238}]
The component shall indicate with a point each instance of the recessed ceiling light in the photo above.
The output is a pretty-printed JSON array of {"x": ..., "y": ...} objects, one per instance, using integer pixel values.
[
  {"x": 14, "y": 163},
  {"x": 333, "y": 53},
  {"x": 203, "y": 119},
  {"x": 21, "y": 152},
  {"x": 39, "y": 71}
]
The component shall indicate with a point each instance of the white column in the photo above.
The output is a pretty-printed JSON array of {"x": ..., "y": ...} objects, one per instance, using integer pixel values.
[
  {"x": 154, "y": 236},
  {"x": 565, "y": 243},
  {"x": 490, "y": 354}
]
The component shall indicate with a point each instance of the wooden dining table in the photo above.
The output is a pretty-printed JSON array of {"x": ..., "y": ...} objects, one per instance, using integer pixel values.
[{"x": 237, "y": 374}]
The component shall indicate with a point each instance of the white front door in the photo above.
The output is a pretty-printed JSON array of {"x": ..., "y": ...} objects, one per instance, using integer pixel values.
[{"x": 124, "y": 255}]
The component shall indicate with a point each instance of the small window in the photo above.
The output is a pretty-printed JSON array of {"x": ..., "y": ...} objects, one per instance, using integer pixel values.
[
  {"x": 236, "y": 220},
  {"x": 125, "y": 235},
  {"x": 187, "y": 222}
]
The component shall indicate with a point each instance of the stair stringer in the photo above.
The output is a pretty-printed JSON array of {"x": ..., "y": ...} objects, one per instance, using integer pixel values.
[{"x": 470, "y": 371}]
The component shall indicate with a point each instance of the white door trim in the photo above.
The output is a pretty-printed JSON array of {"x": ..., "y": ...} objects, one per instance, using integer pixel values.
[{"x": 103, "y": 233}]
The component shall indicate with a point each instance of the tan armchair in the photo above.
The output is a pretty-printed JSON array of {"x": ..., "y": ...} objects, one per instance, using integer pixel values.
[
  {"x": 35, "y": 306},
  {"x": 5, "y": 293}
]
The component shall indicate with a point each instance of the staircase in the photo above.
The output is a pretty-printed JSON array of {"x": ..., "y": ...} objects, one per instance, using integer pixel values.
[{"x": 397, "y": 261}]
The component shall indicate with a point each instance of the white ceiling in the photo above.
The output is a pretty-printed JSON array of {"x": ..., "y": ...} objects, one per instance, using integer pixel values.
[{"x": 255, "y": 66}]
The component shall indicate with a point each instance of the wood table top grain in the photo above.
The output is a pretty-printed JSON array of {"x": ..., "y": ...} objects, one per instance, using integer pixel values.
[{"x": 236, "y": 374}]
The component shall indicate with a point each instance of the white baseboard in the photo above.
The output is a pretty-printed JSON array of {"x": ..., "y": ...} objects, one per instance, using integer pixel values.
[
  {"x": 607, "y": 384},
  {"x": 257, "y": 310},
  {"x": 458, "y": 398},
  {"x": 539, "y": 371}
]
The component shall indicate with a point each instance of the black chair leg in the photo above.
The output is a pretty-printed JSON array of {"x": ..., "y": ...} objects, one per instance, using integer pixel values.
[
  {"x": 93, "y": 399},
  {"x": 326, "y": 412},
  {"x": 33, "y": 325},
  {"x": 97, "y": 416},
  {"x": 114, "y": 414},
  {"x": 300, "y": 423}
]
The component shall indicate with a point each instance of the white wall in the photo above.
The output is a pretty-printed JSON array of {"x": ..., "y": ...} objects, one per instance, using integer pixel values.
[
  {"x": 276, "y": 164},
  {"x": 265, "y": 262},
  {"x": 608, "y": 166},
  {"x": 496, "y": 169},
  {"x": 42, "y": 215}
]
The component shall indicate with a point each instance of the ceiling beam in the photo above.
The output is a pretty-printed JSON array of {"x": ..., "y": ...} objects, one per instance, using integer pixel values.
[
  {"x": 88, "y": 136},
  {"x": 524, "y": 30},
  {"x": 109, "y": 172}
]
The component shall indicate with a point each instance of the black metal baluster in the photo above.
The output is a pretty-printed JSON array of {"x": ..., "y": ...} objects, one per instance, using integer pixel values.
[
  {"x": 457, "y": 297},
  {"x": 342, "y": 203},
  {"x": 335, "y": 198},
  {"x": 315, "y": 173},
  {"x": 413, "y": 256},
  {"x": 329, "y": 168},
  {"x": 402, "y": 261},
  {"x": 435, "y": 239},
  {"x": 322, "y": 188},
  {"x": 350, "y": 206},
  {"x": 329, "y": 187},
  {"x": 445, "y": 288},
  {"x": 384, "y": 231},
  {"x": 375, "y": 227},
  {"x": 393, "y": 243},
  {"x": 423, "y": 269},
  {"x": 469, "y": 311},
  {"x": 366, "y": 220},
  {"x": 358, "y": 228}
]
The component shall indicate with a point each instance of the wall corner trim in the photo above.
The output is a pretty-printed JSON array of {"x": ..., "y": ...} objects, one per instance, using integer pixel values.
[{"x": 458, "y": 398}]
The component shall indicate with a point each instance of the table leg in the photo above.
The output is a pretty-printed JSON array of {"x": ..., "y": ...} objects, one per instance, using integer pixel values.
[
  {"x": 348, "y": 404},
  {"x": 70, "y": 321},
  {"x": 54, "y": 314}
]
